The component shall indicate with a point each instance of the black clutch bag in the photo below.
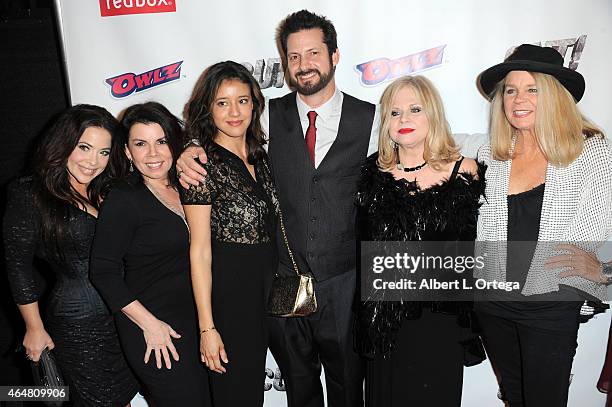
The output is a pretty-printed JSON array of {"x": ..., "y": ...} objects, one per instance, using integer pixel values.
[{"x": 46, "y": 373}]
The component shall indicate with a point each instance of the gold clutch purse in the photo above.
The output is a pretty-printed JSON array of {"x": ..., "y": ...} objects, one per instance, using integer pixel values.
[{"x": 291, "y": 296}]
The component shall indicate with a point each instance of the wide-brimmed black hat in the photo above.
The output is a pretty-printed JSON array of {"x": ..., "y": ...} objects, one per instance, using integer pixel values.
[{"x": 532, "y": 58}]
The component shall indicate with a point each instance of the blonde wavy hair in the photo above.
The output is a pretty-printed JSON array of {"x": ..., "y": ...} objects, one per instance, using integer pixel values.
[
  {"x": 560, "y": 127},
  {"x": 440, "y": 148}
]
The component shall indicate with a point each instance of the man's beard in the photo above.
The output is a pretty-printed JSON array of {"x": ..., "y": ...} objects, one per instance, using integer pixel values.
[{"x": 312, "y": 87}]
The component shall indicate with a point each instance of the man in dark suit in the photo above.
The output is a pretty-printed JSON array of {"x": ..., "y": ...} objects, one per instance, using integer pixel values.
[{"x": 318, "y": 139}]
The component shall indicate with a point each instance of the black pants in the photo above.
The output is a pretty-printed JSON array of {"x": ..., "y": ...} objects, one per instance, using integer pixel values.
[
  {"x": 301, "y": 345},
  {"x": 533, "y": 358}
]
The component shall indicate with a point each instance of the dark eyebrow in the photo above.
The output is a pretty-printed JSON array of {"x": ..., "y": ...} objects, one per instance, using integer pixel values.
[{"x": 226, "y": 97}]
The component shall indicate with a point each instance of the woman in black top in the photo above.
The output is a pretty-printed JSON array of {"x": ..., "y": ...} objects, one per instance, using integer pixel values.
[
  {"x": 416, "y": 188},
  {"x": 231, "y": 218},
  {"x": 51, "y": 215},
  {"x": 140, "y": 264}
]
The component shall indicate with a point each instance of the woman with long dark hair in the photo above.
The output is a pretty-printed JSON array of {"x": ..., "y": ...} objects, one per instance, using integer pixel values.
[
  {"x": 140, "y": 263},
  {"x": 231, "y": 217},
  {"x": 51, "y": 215}
]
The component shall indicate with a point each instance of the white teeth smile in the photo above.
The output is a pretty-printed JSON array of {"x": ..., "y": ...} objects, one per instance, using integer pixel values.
[
  {"x": 521, "y": 112},
  {"x": 87, "y": 171},
  {"x": 154, "y": 166}
]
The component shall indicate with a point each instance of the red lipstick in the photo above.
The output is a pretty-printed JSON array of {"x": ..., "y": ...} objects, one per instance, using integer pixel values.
[{"x": 406, "y": 130}]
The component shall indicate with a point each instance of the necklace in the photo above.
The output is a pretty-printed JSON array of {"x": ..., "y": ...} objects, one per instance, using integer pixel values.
[
  {"x": 177, "y": 210},
  {"x": 410, "y": 169}
]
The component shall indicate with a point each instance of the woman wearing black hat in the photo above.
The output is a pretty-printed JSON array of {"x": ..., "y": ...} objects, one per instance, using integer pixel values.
[{"x": 548, "y": 181}]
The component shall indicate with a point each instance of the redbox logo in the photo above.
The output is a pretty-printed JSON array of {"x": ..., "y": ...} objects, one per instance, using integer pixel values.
[{"x": 110, "y": 8}]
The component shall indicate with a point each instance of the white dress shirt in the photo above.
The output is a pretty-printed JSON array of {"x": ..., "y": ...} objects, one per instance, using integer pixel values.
[{"x": 327, "y": 124}]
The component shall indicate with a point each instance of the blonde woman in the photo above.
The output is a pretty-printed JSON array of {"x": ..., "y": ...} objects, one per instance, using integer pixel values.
[
  {"x": 548, "y": 180},
  {"x": 416, "y": 188}
]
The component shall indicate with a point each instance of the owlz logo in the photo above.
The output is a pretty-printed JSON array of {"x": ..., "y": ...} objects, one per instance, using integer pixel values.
[
  {"x": 127, "y": 83},
  {"x": 385, "y": 69}
]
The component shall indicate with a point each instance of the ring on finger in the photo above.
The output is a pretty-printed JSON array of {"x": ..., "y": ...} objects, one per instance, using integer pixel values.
[{"x": 179, "y": 173}]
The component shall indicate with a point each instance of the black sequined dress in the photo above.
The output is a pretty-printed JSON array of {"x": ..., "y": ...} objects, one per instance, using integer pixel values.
[
  {"x": 79, "y": 323},
  {"x": 243, "y": 262},
  {"x": 416, "y": 350}
]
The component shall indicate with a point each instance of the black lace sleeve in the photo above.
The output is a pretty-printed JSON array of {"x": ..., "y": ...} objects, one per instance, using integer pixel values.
[
  {"x": 21, "y": 236},
  {"x": 203, "y": 194}
]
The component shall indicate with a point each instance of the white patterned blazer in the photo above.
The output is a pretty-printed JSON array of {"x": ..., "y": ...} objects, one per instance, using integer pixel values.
[{"x": 577, "y": 209}]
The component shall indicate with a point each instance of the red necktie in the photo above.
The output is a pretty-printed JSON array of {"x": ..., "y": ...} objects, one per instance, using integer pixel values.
[{"x": 311, "y": 135}]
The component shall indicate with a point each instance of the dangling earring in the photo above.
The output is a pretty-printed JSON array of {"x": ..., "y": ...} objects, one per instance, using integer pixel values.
[
  {"x": 392, "y": 143},
  {"x": 131, "y": 166}
]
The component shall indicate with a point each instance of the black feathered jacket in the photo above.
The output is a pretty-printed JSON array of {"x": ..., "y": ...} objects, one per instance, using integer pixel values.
[{"x": 398, "y": 210}]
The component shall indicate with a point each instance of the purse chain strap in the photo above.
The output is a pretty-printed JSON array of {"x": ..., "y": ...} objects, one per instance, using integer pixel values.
[{"x": 282, "y": 225}]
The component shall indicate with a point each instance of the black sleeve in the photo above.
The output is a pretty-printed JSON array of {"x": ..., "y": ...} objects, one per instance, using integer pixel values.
[
  {"x": 21, "y": 233},
  {"x": 118, "y": 221},
  {"x": 203, "y": 194}
]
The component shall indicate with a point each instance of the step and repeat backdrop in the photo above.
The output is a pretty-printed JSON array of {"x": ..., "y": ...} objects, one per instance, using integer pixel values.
[{"x": 122, "y": 52}]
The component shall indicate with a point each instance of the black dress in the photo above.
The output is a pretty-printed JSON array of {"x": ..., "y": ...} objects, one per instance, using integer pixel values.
[
  {"x": 78, "y": 321},
  {"x": 416, "y": 350},
  {"x": 244, "y": 258},
  {"x": 141, "y": 252}
]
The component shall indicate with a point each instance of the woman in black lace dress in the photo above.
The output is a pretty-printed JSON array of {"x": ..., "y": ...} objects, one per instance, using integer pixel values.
[
  {"x": 51, "y": 215},
  {"x": 416, "y": 188},
  {"x": 231, "y": 218},
  {"x": 140, "y": 263}
]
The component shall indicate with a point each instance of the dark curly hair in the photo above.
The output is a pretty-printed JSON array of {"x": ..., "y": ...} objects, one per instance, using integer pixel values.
[
  {"x": 153, "y": 112},
  {"x": 199, "y": 124},
  {"x": 305, "y": 20},
  {"x": 54, "y": 194}
]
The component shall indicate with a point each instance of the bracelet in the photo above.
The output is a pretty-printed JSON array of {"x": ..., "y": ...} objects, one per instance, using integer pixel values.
[
  {"x": 192, "y": 142},
  {"x": 207, "y": 329}
]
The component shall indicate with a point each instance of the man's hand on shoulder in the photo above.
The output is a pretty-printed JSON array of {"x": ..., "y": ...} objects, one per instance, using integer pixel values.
[
  {"x": 469, "y": 165},
  {"x": 188, "y": 170}
]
